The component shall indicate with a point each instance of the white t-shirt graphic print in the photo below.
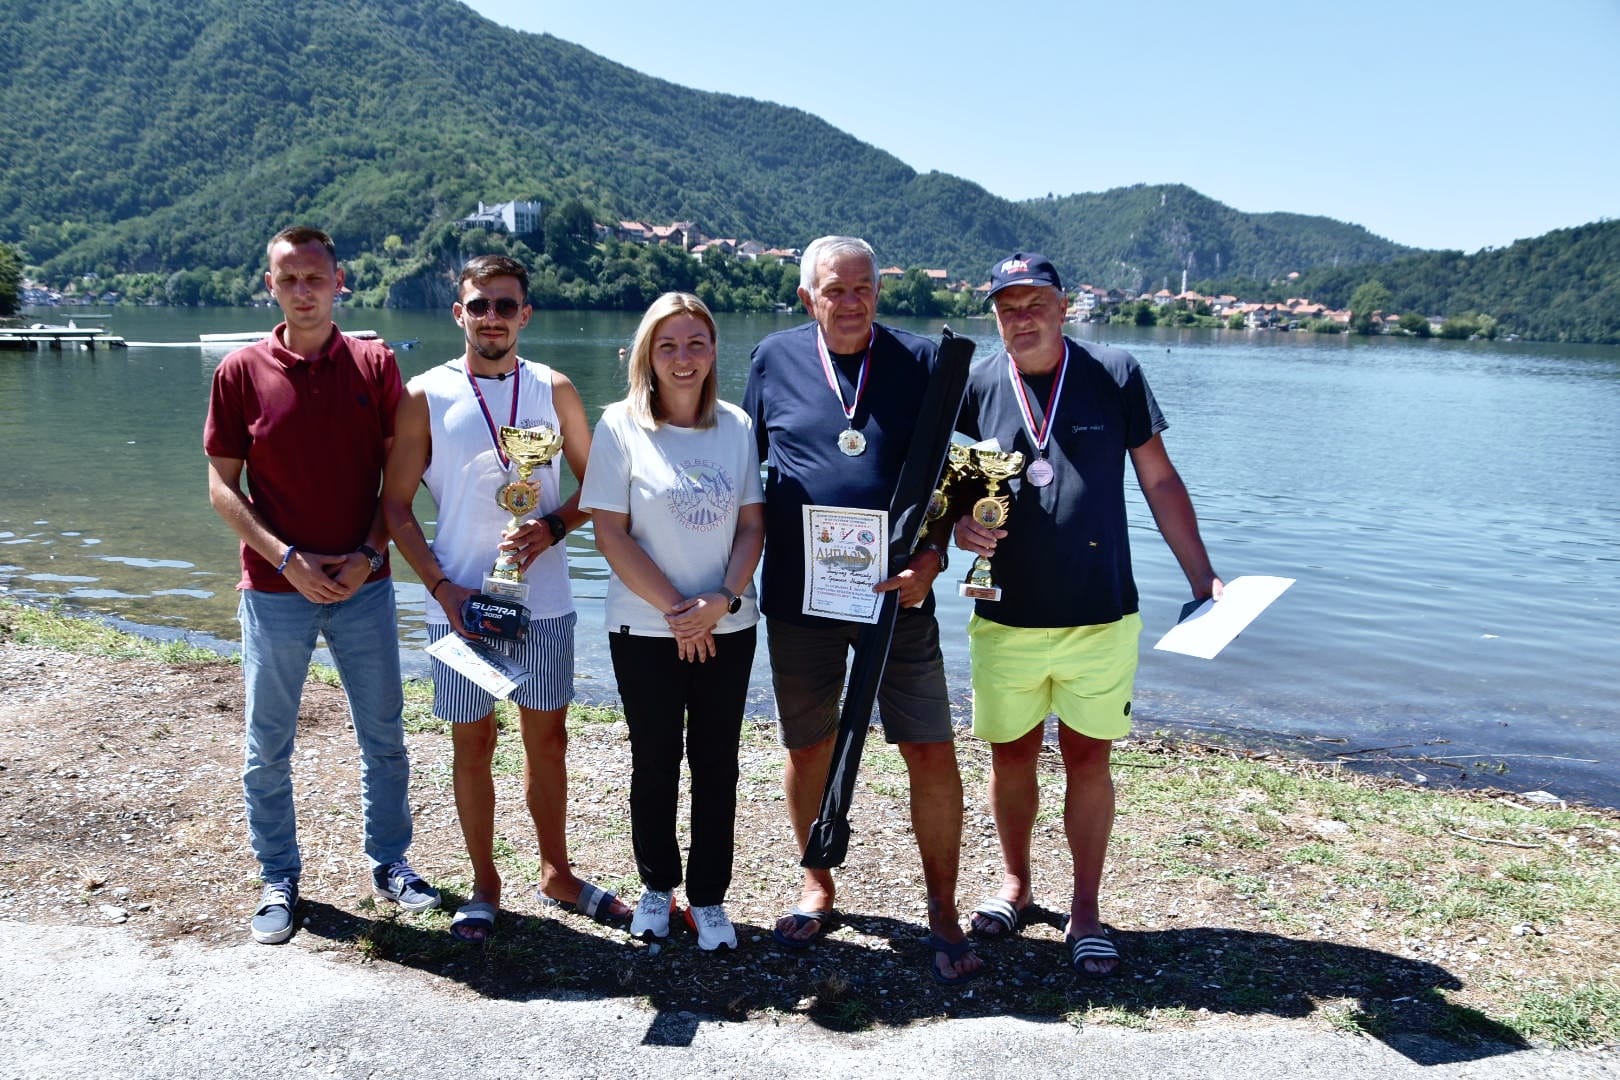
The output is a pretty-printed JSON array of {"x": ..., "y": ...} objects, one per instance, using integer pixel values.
[{"x": 682, "y": 488}]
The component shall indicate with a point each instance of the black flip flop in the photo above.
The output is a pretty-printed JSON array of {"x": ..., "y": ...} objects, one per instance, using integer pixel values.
[{"x": 826, "y": 920}]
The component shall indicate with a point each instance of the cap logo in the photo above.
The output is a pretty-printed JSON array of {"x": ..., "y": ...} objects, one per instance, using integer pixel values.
[{"x": 1015, "y": 266}]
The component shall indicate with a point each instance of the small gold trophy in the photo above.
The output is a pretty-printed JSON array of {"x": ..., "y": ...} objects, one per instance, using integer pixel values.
[
  {"x": 994, "y": 467},
  {"x": 939, "y": 503},
  {"x": 529, "y": 449}
]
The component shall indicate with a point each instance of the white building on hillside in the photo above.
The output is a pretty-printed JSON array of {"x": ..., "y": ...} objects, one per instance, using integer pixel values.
[{"x": 517, "y": 217}]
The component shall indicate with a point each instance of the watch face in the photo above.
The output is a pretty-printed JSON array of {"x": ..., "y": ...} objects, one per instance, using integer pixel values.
[{"x": 734, "y": 605}]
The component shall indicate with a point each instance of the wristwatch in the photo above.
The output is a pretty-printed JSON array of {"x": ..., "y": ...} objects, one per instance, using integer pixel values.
[
  {"x": 733, "y": 601},
  {"x": 944, "y": 560},
  {"x": 373, "y": 556},
  {"x": 558, "y": 527}
]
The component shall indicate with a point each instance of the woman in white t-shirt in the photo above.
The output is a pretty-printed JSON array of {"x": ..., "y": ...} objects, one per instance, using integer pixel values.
[{"x": 673, "y": 486}]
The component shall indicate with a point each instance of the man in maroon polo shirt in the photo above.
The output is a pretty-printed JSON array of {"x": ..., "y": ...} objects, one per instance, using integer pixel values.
[{"x": 306, "y": 417}]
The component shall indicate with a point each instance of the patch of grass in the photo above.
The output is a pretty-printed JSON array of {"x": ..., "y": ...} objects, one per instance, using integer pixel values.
[
  {"x": 583, "y": 718},
  {"x": 1048, "y": 1003},
  {"x": 594, "y": 714},
  {"x": 52, "y": 628},
  {"x": 884, "y": 760},
  {"x": 419, "y": 718},
  {"x": 1268, "y": 822},
  {"x": 433, "y": 774},
  {"x": 1239, "y": 837},
  {"x": 1586, "y": 1016},
  {"x": 888, "y": 788},
  {"x": 1522, "y": 870},
  {"x": 1315, "y": 854},
  {"x": 1350, "y": 1018},
  {"x": 508, "y": 760},
  {"x": 1113, "y": 1015},
  {"x": 1464, "y": 1025}
]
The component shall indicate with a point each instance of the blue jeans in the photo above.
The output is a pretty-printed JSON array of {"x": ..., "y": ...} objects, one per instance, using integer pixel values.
[{"x": 278, "y": 639}]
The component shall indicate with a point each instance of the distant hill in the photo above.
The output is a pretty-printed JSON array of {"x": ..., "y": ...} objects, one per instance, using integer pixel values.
[
  {"x": 1143, "y": 237},
  {"x": 1563, "y": 286},
  {"x": 150, "y": 136}
]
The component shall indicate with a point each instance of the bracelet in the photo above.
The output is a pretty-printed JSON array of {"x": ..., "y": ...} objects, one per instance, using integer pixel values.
[
  {"x": 285, "y": 557},
  {"x": 558, "y": 527},
  {"x": 434, "y": 592}
]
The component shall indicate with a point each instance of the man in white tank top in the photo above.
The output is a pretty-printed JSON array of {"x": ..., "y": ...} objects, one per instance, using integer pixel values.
[{"x": 446, "y": 436}]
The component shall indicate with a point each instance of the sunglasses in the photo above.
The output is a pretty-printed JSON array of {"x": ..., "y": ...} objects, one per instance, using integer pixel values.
[{"x": 478, "y": 307}]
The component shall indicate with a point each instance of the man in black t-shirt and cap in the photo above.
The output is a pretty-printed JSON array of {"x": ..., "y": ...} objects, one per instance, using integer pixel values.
[{"x": 1062, "y": 638}]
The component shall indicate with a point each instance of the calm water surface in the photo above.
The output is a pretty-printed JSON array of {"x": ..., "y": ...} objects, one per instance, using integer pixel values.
[{"x": 1449, "y": 510}]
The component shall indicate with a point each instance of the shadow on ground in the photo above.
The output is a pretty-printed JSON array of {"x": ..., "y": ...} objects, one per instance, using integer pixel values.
[{"x": 873, "y": 973}]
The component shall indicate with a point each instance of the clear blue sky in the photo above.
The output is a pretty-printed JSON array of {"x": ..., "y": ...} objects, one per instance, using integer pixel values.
[{"x": 1443, "y": 124}]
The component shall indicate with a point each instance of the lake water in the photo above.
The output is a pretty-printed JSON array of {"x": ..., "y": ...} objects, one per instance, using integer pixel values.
[{"x": 1450, "y": 510}]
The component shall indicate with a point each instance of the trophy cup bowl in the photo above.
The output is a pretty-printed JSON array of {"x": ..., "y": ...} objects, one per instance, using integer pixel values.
[
  {"x": 529, "y": 449},
  {"x": 994, "y": 467}
]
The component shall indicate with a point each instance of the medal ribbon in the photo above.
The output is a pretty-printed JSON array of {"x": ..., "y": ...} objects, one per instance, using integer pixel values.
[
  {"x": 832, "y": 376},
  {"x": 1042, "y": 434},
  {"x": 489, "y": 421}
]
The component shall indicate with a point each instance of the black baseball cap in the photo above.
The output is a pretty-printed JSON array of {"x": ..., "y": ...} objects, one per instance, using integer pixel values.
[{"x": 1023, "y": 268}]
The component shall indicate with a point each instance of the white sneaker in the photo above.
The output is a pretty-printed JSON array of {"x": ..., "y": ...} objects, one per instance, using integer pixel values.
[
  {"x": 712, "y": 926},
  {"x": 651, "y": 919}
]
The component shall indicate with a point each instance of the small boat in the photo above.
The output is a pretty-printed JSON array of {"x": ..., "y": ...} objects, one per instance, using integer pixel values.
[{"x": 409, "y": 344}]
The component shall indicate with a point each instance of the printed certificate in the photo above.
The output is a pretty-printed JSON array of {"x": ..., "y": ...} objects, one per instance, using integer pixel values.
[
  {"x": 491, "y": 670},
  {"x": 844, "y": 556}
]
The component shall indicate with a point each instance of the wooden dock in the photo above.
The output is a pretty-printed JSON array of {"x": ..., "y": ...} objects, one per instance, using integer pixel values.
[{"x": 56, "y": 337}]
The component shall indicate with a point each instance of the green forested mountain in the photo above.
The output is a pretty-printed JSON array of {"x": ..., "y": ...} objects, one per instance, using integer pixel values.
[
  {"x": 1563, "y": 286},
  {"x": 147, "y": 135},
  {"x": 1143, "y": 237}
]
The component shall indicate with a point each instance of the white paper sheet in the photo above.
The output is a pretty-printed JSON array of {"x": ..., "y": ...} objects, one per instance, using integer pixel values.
[
  {"x": 1211, "y": 627},
  {"x": 845, "y": 554},
  {"x": 498, "y": 674}
]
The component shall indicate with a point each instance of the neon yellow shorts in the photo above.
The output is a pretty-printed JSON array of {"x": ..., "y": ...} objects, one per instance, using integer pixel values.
[{"x": 1021, "y": 675}]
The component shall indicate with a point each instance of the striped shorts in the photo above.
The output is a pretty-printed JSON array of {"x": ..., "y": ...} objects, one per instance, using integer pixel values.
[{"x": 548, "y": 651}]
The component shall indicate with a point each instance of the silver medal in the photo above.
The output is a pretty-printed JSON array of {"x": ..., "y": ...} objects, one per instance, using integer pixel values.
[
  {"x": 852, "y": 442},
  {"x": 1039, "y": 472}
]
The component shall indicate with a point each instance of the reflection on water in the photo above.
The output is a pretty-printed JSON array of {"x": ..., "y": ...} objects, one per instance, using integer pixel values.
[{"x": 1448, "y": 509}]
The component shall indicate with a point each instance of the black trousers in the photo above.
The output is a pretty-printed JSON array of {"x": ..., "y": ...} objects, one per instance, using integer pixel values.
[{"x": 668, "y": 700}]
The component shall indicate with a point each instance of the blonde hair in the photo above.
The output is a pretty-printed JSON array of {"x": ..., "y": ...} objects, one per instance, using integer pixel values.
[{"x": 642, "y": 398}]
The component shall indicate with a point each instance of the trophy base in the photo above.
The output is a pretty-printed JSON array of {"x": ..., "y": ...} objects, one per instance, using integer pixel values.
[
  {"x": 979, "y": 592},
  {"x": 505, "y": 589}
]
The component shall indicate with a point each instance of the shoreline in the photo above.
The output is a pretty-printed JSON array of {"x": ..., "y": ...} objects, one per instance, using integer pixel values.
[{"x": 1480, "y": 772}]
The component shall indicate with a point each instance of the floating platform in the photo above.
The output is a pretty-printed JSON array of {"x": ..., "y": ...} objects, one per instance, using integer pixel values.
[
  {"x": 248, "y": 337},
  {"x": 40, "y": 336}
]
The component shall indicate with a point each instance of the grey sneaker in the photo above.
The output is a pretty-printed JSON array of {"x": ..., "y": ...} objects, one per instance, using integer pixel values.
[
  {"x": 273, "y": 922},
  {"x": 651, "y": 919},
  {"x": 404, "y": 886},
  {"x": 713, "y": 928}
]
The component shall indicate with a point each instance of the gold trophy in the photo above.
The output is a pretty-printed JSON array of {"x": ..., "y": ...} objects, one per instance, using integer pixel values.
[
  {"x": 994, "y": 467},
  {"x": 529, "y": 449},
  {"x": 939, "y": 503}
]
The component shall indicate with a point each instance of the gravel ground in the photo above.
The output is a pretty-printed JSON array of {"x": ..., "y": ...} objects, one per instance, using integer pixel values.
[{"x": 96, "y": 1002}]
